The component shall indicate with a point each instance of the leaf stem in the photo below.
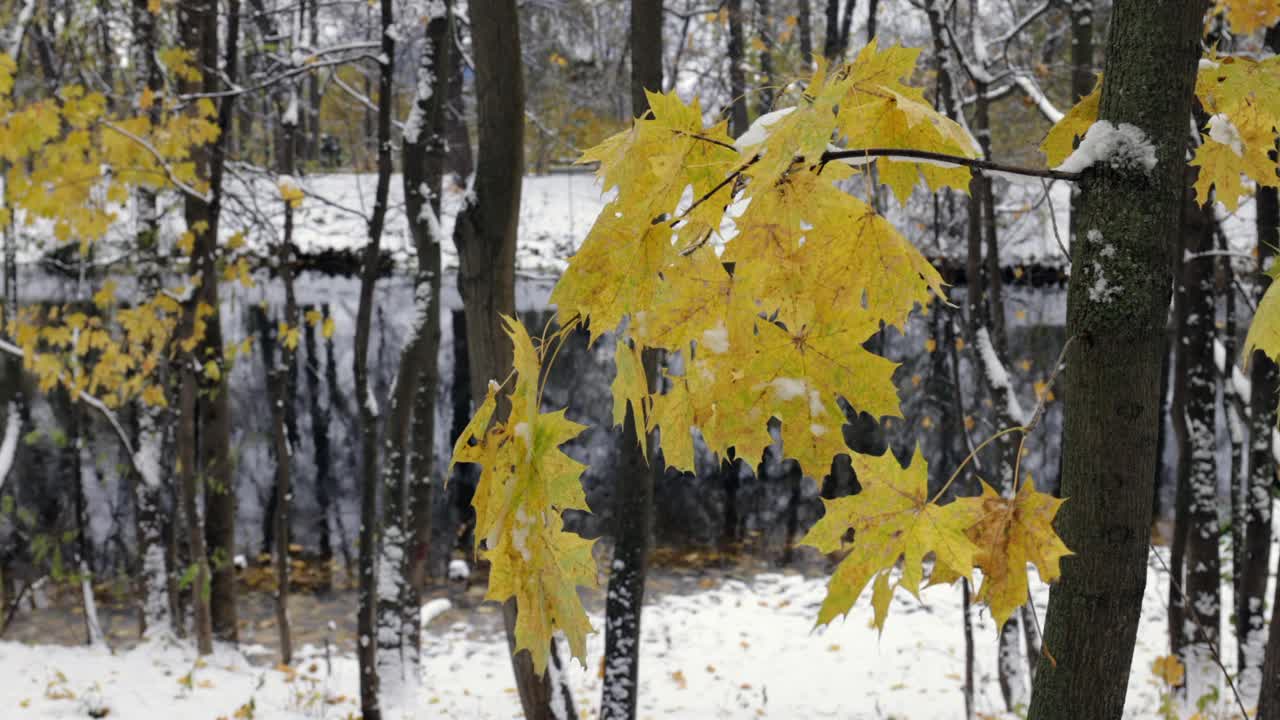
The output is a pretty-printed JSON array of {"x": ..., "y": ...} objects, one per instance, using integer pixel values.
[{"x": 973, "y": 454}]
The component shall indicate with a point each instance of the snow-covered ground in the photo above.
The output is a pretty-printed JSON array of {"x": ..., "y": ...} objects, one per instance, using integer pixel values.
[{"x": 741, "y": 649}]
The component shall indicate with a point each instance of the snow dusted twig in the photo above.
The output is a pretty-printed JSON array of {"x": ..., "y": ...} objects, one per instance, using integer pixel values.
[
  {"x": 168, "y": 171},
  {"x": 1033, "y": 91},
  {"x": 973, "y": 163},
  {"x": 290, "y": 73}
]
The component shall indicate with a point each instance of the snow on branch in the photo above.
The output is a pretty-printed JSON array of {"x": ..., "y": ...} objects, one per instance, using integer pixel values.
[
  {"x": 1123, "y": 147},
  {"x": 9, "y": 447}
]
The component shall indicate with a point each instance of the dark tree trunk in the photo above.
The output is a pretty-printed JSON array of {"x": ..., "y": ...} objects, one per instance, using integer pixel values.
[
  {"x": 422, "y": 462},
  {"x": 646, "y": 52},
  {"x": 1082, "y": 76},
  {"x": 633, "y": 488},
  {"x": 738, "y": 120},
  {"x": 1112, "y": 379},
  {"x": 284, "y": 454},
  {"x": 323, "y": 460},
  {"x": 632, "y": 518},
  {"x": 1201, "y": 576},
  {"x": 764, "y": 22},
  {"x": 1262, "y": 477},
  {"x": 804, "y": 27},
  {"x": 367, "y": 647},
  {"x": 460, "y": 162},
  {"x": 1262, "y": 473},
  {"x": 199, "y": 23},
  {"x": 831, "y": 43},
  {"x": 485, "y": 236},
  {"x": 189, "y": 477},
  {"x": 283, "y": 380}
]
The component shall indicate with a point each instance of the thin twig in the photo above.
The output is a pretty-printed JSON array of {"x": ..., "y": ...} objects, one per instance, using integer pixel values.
[
  {"x": 1204, "y": 637},
  {"x": 164, "y": 164},
  {"x": 707, "y": 195},
  {"x": 974, "y": 163},
  {"x": 12, "y": 610},
  {"x": 1053, "y": 220}
]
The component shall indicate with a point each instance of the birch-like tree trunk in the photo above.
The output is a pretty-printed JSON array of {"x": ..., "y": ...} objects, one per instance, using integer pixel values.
[
  {"x": 157, "y": 618},
  {"x": 398, "y": 619}
]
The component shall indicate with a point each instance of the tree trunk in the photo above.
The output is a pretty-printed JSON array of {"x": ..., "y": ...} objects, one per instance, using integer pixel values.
[
  {"x": 284, "y": 458},
  {"x": 1112, "y": 379},
  {"x": 804, "y": 26},
  {"x": 283, "y": 381},
  {"x": 323, "y": 460},
  {"x": 157, "y": 618},
  {"x": 199, "y": 22},
  {"x": 189, "y": 477},
  {"x": 633, "y": 488},
  {"x": 485, "y": 236},
  {"x": 738, "y": 120},
  {"x": 460, "y": 161},
  {"x": 398, "y": 619},
  {"x": 422, "y": 460},
  {"x": 764, "y": 22},
  {"x": 1262, "y": 475},
  {"x": 1082, "y": 76},
  {"x": 1260, "y": 671},
  {"x": 367, "y": 651},
  {"x": 646, "y": 53},
  {"x": 1202, "y": 574}
]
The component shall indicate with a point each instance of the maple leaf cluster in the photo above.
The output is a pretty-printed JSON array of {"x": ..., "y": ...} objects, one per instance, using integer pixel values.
[
  {"x": 754, "y": 263},
  {"x": 71, "y": 163}
]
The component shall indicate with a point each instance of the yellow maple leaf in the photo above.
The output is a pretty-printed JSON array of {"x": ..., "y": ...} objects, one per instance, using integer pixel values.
[
  {"x": 892, "y": 517},
  {"x": 1011, "y": 533},
  {"x": 630, "y": 387},
  {"x": 1168, "y": 669},
  {"x": 1264, "y": 330},
  {"x": 882, "y": 111},
  {"x": 1219, "y": 170},
  {"x": 526, "y": 482},
  {"x": 618, "y": 268},
  {"x": 1249, "y": 16},
  {"x": 105, "y": 295},
  {"x": 290, "y": 192},
  {"x": 1242, "y": 98},
  {"x": 1061, "y": 139}
]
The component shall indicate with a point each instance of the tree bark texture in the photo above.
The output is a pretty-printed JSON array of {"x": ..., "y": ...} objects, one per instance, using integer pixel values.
[
  {"x": 485, "y": 237},
  {"x": 199, "y": 24},
  {"x": 367, "y": 595},
  {"x": 1112, "y": 378},
  {"x": 1201, "y": 577}
]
